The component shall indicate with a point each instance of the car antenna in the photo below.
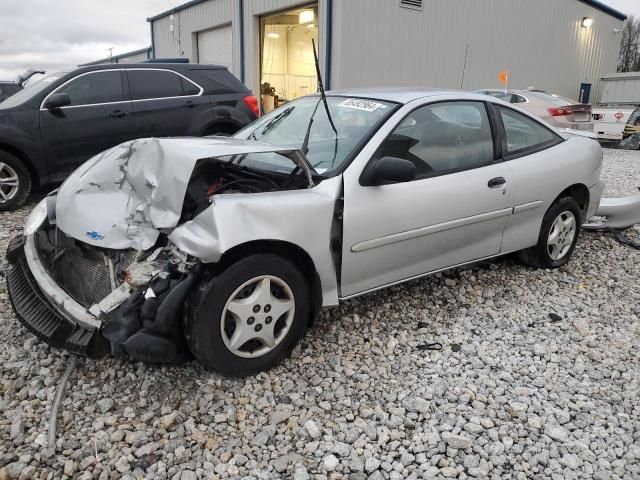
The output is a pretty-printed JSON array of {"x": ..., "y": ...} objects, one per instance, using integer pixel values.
[
  {"x": 321, "y": 86},
  {"x": 323, "y": 98}
]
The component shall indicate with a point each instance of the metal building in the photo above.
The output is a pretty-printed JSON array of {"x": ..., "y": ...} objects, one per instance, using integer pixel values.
[
  {"x": 135, "y": 56},
  {"x": 563, "y": 46}
]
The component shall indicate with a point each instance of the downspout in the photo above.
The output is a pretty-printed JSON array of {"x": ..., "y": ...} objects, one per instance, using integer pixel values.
[
  {"x": 153, "y": 43},
  {"x": 329, "y": 27},
  {"x": 241, "y": 13}
]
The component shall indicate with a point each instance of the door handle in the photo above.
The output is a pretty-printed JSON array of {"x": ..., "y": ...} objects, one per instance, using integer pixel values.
[
  {"x": 118, "y": 114},
  {"x": 496, "y": 182},
  {"x": 189, "y": 104}
]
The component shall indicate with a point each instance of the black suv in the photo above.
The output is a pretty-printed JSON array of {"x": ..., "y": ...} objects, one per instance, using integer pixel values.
[{"x": 63, "y": 119}]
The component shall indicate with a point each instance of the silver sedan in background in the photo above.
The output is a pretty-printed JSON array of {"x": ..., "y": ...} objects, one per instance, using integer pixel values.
[
  {"x": 558, "y": 111},
  {"x": 226, "y": 248}
]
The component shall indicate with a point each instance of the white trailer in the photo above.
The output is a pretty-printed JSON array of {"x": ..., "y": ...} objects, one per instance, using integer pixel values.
[{"x": 616, "y": 116}]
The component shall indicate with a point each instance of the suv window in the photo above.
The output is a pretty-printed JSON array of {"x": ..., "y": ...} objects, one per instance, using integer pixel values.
[
  {"x": 443, "y": 138},
  {"x": 9, "y": 89},
  {"x": 95, "y": 87},
  {"x": 523, "y": 133},
  {"x": 147, "y": 84},
  {"x": 218, "y": 80}
]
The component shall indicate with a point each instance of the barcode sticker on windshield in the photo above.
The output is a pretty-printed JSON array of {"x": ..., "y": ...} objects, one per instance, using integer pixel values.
[{"x": 359, "y": 104}]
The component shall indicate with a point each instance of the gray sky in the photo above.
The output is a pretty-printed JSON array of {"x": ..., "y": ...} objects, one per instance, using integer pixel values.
[{"x": 59, "y": 34}]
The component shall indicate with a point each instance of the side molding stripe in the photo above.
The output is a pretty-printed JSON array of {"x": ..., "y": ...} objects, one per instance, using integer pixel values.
[{"x": 423, "y": 231}]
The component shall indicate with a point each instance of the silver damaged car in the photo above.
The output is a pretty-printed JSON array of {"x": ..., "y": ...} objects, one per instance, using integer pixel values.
[{"x": 226, "y": 248}]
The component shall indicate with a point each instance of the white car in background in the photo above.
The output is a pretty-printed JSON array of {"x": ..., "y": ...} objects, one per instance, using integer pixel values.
[{"x": 558, "y": 111}]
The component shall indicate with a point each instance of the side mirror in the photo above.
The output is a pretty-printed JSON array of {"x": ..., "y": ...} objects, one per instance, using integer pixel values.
[
  {"x": 57, "y": 100},
  {"x": 389, "y": 170}
]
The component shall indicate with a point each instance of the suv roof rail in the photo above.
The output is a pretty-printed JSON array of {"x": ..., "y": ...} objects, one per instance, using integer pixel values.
[{"x": 167, "y": 60}]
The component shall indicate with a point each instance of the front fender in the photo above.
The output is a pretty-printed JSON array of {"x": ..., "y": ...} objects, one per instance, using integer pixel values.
[{"x": 301, "y": 217}]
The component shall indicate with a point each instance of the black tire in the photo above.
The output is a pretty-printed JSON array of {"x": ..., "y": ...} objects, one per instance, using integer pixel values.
[
  {"x": 203, "y": 322},
  {"x": 538, "y": 256},
  {"x": 19, "y": 196}
]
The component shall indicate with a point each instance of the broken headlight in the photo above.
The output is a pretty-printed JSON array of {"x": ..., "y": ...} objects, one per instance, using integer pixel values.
[{"x": 36, "y": 218}]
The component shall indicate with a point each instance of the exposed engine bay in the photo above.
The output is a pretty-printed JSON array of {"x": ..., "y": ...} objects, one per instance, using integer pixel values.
[{"x": 213, "y": 177}]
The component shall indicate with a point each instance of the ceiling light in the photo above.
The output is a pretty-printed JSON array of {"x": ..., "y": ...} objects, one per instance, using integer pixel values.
[
  {"x": 587, "y": 22},
  {"x": 273, "y": 35},
  {"x": 306, "y": 16}
]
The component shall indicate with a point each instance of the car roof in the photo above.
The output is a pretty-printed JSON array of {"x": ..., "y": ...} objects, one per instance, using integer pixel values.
[{"x": 395, "y": 94}]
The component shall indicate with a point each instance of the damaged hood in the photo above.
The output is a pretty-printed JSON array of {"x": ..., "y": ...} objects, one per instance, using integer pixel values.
[{"x": 124, "y": 196}]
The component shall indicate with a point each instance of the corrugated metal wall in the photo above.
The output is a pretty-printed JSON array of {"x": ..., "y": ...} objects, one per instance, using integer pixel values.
[
  {"x": 376, "y": 42},
  {"x": 140, "y": 57},
  {"x": 182, "y": 42},
  {"x": 541, "y": 43}
]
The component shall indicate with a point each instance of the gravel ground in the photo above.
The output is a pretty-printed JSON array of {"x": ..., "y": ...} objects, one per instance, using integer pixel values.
[{"x": 513, "y": 393}]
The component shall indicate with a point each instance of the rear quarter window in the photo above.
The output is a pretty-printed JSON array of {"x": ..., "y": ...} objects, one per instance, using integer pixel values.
[{"x": 217, "y": 80}]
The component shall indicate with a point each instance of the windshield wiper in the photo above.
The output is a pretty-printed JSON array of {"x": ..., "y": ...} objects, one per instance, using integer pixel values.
[{"x": 273, "y": 122}]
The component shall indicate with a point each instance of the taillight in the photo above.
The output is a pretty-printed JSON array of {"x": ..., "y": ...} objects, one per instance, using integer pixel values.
[
  {"x": 558, "y": 112},
  {"x": 252, "y": 102}
]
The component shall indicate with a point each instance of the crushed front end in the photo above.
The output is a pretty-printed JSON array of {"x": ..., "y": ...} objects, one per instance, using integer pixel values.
[
  {"x": 107, "y": 263},
  {"x": 96, "y": 301}
]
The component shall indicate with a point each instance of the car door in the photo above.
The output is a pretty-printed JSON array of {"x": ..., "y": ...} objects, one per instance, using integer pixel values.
[
  {"x": 455, "y": 210},
  {"x": 538, "y": 169},
  {"x": 166, "y": 103},
  {"x": 97, "y": 119}
]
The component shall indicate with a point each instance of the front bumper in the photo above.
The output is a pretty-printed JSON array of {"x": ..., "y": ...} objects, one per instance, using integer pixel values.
[{"x": 47, "y": 310}]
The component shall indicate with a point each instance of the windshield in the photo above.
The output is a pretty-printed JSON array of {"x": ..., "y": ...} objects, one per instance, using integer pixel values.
[
  {"x": 552, "y": 98},
  {"x": 502, "y": 95},
  {"x": 354, "y": 118},
  {"x": 34, "y": 88}
]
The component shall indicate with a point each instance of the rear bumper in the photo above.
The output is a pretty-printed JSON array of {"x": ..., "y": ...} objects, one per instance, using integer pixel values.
[
  {"x": 617, "y": 213},
  {"x": 45, "y": 309}
]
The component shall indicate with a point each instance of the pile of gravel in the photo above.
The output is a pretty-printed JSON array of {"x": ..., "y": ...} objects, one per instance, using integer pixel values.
[{"x": 514, "y": 392}]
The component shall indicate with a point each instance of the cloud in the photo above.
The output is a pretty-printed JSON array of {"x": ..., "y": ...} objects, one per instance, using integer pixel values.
[{"x": 60, "y": 35}]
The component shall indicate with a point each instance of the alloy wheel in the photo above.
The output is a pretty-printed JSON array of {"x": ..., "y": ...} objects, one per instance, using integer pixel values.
[
  {"x": 9, "y": 183},
  {"x": 257, "y": 316},
  {"x": 561, "y": 235}
]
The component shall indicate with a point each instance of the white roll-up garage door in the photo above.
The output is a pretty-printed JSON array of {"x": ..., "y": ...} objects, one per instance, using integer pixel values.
[{"x": 216, "y": 47}]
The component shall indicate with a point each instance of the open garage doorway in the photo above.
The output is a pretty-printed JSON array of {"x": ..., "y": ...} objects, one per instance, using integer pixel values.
[{"x": 287, "y": 69}]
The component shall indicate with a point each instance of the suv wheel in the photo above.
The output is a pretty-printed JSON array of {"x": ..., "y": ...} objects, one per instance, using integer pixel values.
[
  {"x": 558, "y": 236},
  {"x": 15, "y": 182},
  {"x": 248, "y": 318}
]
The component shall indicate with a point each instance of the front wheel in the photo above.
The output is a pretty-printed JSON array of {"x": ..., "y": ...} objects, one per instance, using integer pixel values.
[
  {"x": 248, "y": 318},
  {"x": 558, "y": 236}
]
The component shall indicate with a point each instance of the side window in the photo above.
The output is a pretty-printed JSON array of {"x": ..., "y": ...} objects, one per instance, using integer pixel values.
[
  {"x": 189, "y": 88},
  {"x": 518, "y": 99},
  {"x": 524, "y": 133},
  {"x": 146, "y": 84},
  {"x": 98, "y": 87},
  {"x": 443, "y": 137}
]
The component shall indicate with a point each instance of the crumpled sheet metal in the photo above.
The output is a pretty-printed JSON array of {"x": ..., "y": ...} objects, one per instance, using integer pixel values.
[
  {"x": 619, "y": 213},
  {"x": 300, "y": 217},
  {"x": 122, "y": 197}
]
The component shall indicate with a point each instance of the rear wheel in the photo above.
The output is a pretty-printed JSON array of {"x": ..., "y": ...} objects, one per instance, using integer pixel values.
[
  {"x": 248, "y": 318},
  {"x": 558, "y": 236},
  {"x": 15, "y": 182}
]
